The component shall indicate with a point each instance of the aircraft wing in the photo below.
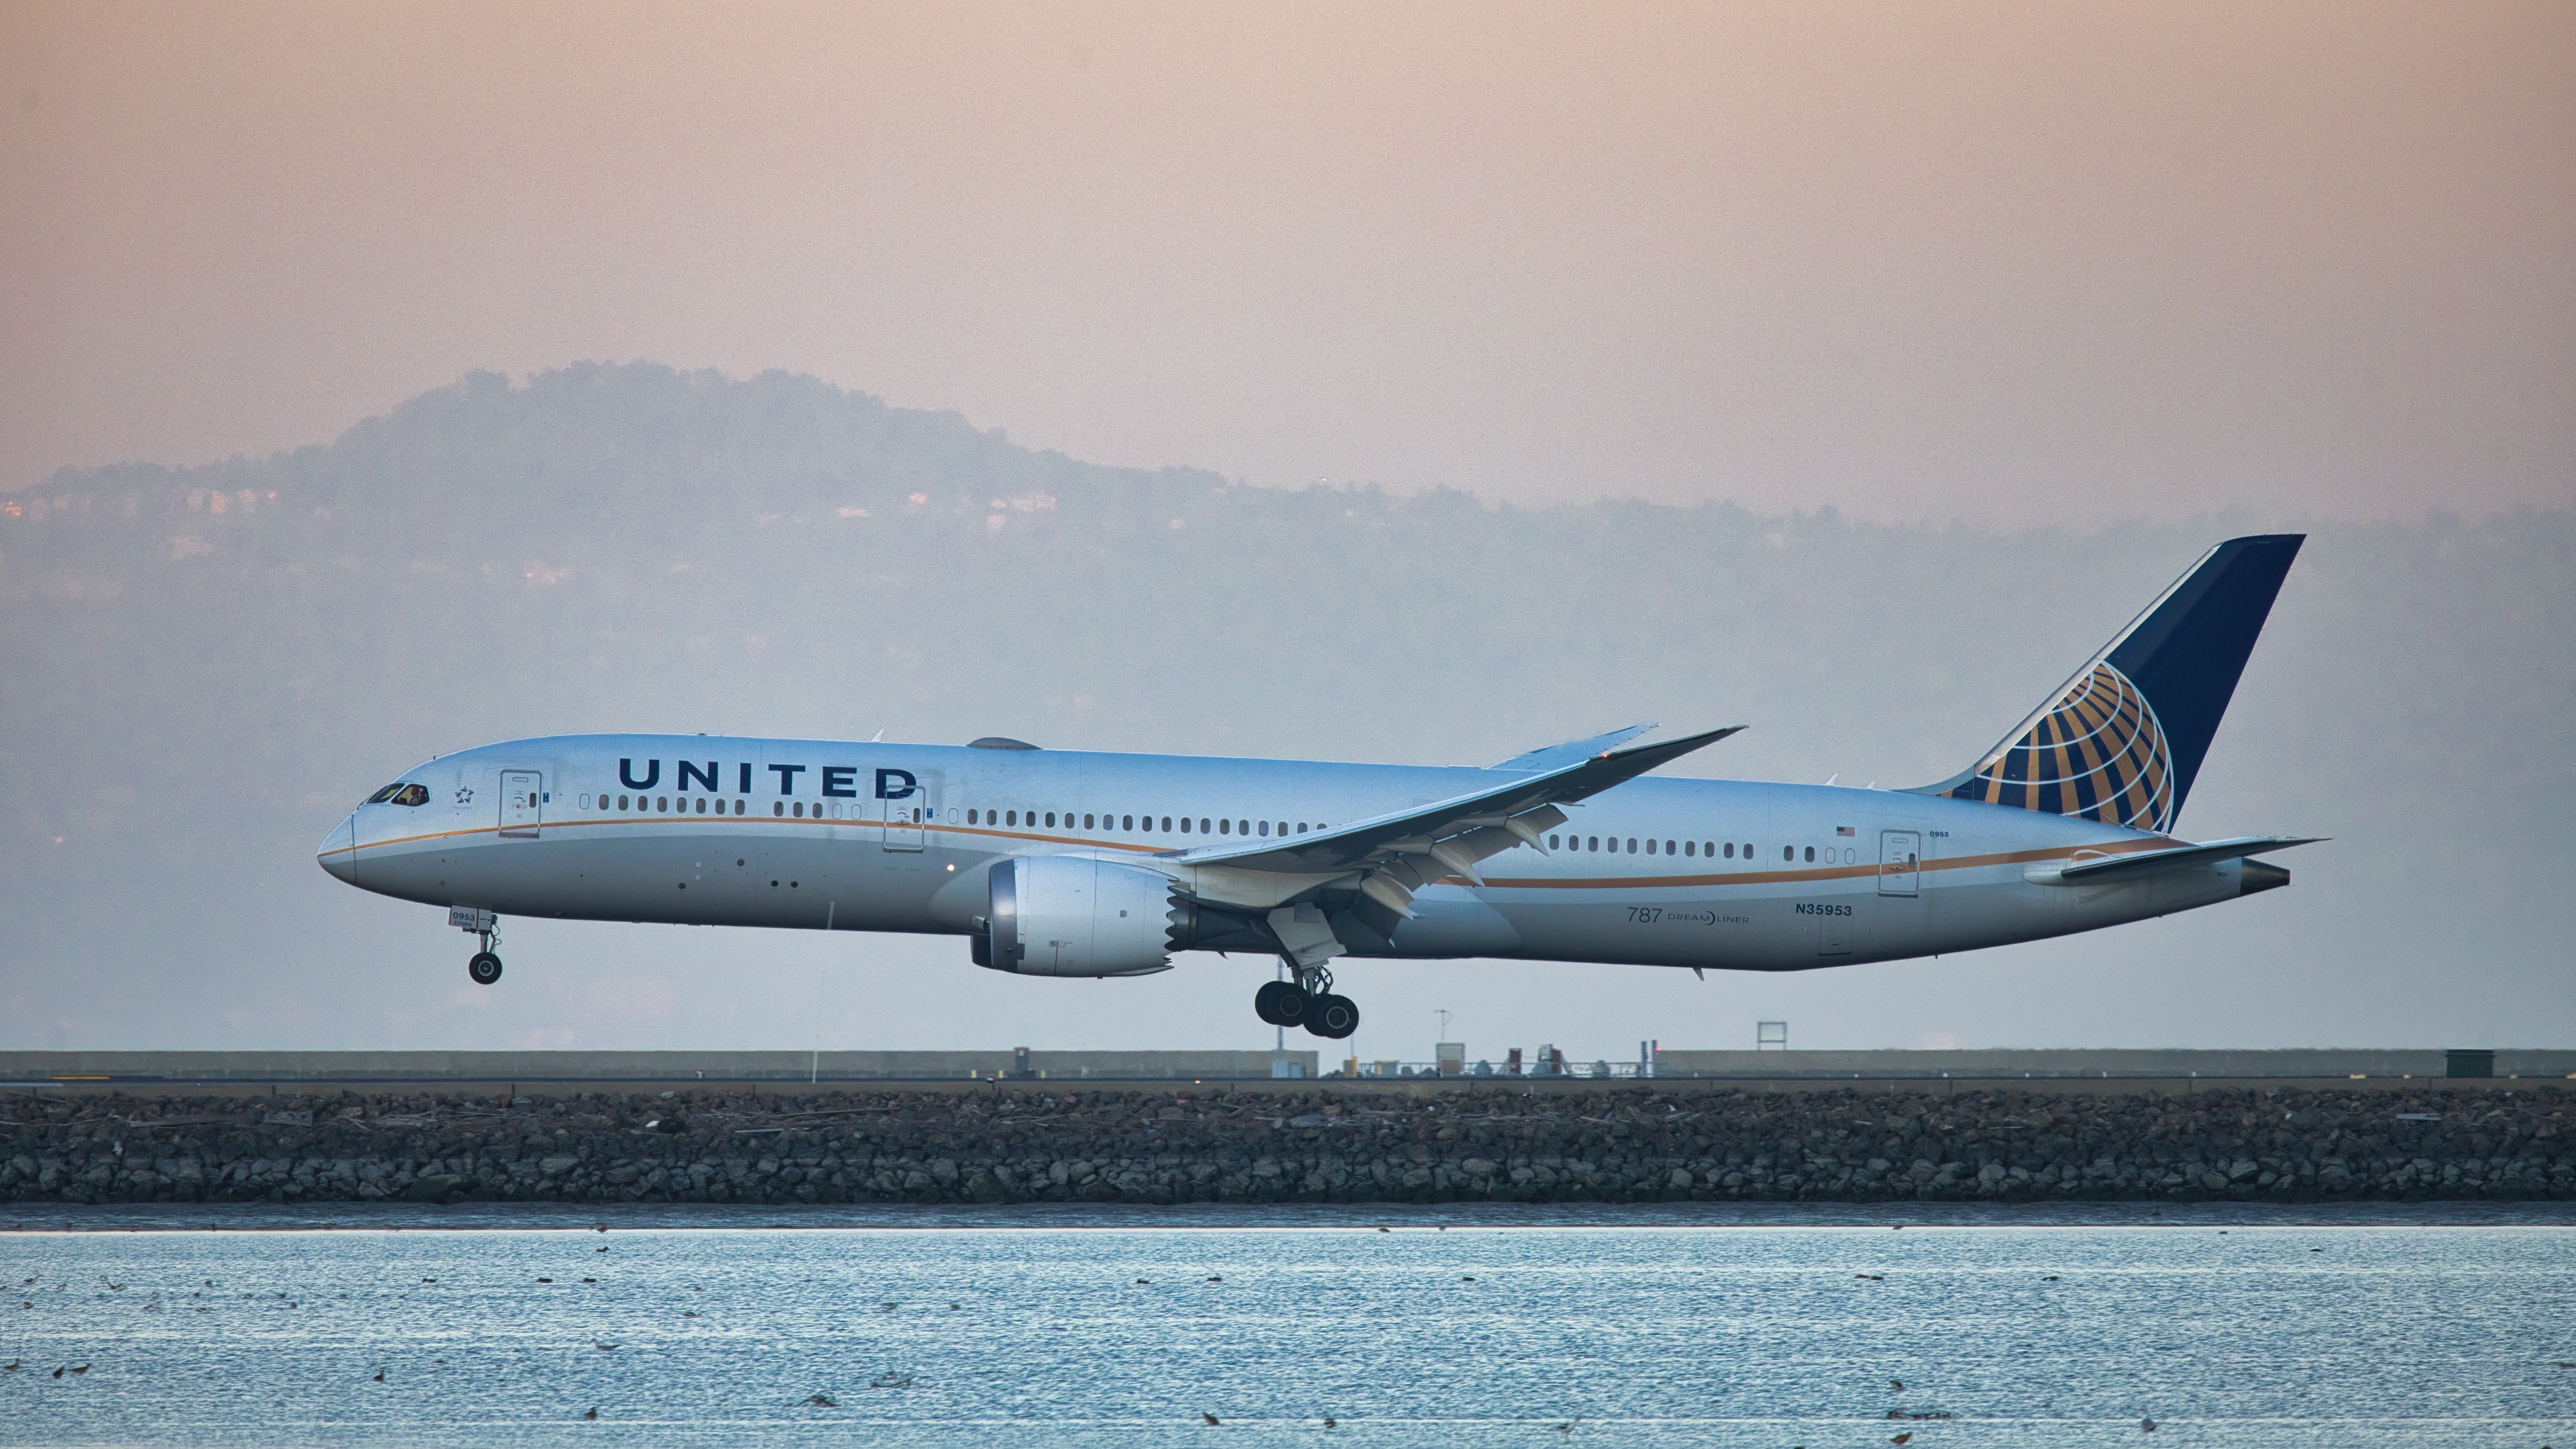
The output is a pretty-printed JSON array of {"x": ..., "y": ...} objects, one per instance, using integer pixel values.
[
  {"x": 1405, "y": 849},
  {"x": 2111, "y": 868},
  {"x": 1572, "y": 750}
]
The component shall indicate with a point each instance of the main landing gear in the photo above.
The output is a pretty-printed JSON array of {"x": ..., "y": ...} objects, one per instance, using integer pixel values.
[
  {"x": 1309, "y": 1002},
  {"x": 484, "y": 926}
]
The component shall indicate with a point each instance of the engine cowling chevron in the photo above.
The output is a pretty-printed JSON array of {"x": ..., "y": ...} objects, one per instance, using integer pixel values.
[{"x": 1066, "y": 915}]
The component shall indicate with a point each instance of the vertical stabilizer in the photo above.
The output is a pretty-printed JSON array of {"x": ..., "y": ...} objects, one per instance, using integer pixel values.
[{"x": 2122, "y": 741}]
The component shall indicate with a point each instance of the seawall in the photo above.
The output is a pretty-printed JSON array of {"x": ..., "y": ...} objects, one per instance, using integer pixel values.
[{"x": 1445, "y": 1142}]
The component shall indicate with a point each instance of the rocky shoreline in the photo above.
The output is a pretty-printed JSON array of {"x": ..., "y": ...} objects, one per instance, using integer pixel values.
[{"x": 1020, "y": 1143}]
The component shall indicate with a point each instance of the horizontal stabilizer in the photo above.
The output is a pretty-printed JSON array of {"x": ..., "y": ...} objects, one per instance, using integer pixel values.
[
  {"x": 1558, "y": 756},
  {"x": 2108, "y": 869}
]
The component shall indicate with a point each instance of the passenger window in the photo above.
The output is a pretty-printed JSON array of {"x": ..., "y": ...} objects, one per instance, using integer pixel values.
[
  {"x": 777, "y": 808},
  {"x": 799, "y": 810},
  {"x": 1185, "y": 825},
  {"x": 1224, "y": 826},
  {"x": 1730, "y": 850},
  {"x": 1167, "y": 825},
  {"x": 1632, "y": 845},
  {"x": 1013, "y": 816},
  {"x": 1265, "y": 827},
  {"x": 1050, "y": 819},
  {"x": 1596, "y": 843},
  {"x": 1203, "y": 825},
  {"x": 1301, "y": 827},
  {"x": 1668, "y": 847},
  {"x": 1650, "y": 847},
  {"x": 662, "y": 806},
  {"x": 621, "y": 802},
  {"x": 1811, "y": 852},
  {"x": 702, "y": 805},
  {"x": 1551, "y": 842},
  {"x": 1243, "y": 827}
]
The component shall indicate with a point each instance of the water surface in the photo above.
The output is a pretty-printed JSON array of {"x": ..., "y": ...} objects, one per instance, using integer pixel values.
[{"x": 1447, "y": 1331}]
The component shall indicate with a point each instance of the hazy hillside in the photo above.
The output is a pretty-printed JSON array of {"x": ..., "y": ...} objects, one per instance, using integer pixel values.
[{"x": 201, "y": 669}]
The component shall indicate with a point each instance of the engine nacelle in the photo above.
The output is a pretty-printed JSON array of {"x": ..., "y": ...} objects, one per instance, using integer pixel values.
[{"x": 1065, "y": 915}]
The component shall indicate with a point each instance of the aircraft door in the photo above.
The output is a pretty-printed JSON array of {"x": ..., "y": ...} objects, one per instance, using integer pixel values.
[
  {"x": 1900, "y": 862},
  {"x": 905, "y": 804},
  {"x": 523, "y": 799}
]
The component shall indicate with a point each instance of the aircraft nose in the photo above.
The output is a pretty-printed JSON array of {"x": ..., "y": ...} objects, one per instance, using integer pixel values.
[{"x": 339, "y": 851}]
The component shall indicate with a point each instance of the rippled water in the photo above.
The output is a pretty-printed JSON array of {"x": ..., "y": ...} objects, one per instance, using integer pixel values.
[{"x": 1772, "y": 1335}]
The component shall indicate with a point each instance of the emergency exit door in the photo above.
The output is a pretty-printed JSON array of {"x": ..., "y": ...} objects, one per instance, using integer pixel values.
[{"x": 523, "y": 799}]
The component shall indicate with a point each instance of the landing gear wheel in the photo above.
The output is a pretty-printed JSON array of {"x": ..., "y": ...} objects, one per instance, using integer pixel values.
[
  {"x": 1332, "y": 1017},
  {"x": 485, "y": 928},
  {"x": 1280, "y": 1003}
]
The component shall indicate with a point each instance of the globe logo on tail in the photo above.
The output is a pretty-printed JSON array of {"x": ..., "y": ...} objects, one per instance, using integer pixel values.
[{"x": 2098, "y": 753}]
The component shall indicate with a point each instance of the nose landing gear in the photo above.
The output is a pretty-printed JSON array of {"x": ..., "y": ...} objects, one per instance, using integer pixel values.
[
  {"x": 1308, "y": 1002},
  {"x": 485, "y": 965}
]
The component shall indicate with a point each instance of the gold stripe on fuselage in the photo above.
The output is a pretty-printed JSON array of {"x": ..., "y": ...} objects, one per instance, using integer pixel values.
[{"x": 1542, "y": 883}]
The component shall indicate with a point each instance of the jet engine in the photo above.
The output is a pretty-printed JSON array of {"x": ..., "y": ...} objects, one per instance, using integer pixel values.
[{"x": 1065, "y": 915}]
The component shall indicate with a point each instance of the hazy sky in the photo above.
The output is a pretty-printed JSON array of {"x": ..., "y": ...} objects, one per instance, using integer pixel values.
[{"x": 2022, "y": 264}]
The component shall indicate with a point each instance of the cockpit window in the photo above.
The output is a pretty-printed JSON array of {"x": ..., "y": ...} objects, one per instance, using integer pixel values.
[{"x": 399, "y": 793}]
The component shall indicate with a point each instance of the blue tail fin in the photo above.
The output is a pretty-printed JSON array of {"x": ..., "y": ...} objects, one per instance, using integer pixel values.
[{"x": 2123, "y": 740}]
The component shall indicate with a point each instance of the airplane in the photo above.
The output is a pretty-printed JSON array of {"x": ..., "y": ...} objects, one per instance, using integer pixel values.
[{"x": 1079, "y": 864}]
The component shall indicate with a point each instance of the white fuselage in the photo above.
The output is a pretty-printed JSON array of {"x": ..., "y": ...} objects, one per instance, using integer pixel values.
[{"x": 1718, "y": 874}]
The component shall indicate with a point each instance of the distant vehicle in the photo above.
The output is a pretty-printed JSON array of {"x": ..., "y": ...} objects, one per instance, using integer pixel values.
[{"x": 1059, "y": 863}]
